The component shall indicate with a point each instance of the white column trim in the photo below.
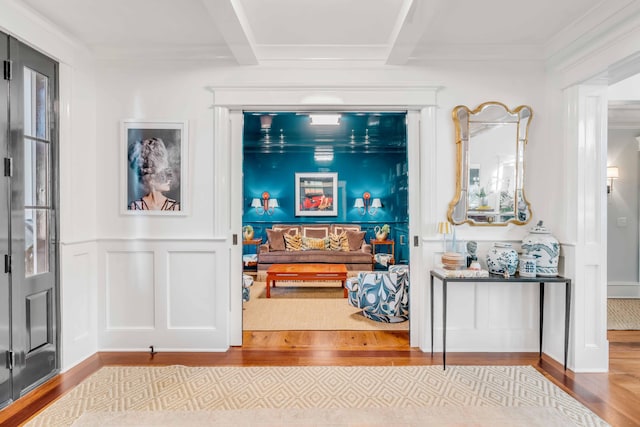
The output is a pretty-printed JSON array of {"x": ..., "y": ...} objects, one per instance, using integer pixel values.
[{"x": 586, "y": 145}]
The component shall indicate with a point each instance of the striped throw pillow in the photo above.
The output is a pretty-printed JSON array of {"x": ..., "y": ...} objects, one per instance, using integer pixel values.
[
  {"x": 293, "y": 242},
  {"x": 339, "y": 242}
]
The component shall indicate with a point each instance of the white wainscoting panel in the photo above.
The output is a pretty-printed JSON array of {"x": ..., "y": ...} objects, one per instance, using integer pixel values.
[
  {"x": 169, "y": 294},
  {"x": 191, "y": 290},
  {"x": 492, "y": 317},
  {"x": 78, "y": 302},
  {"x": 130, "y": 290}
]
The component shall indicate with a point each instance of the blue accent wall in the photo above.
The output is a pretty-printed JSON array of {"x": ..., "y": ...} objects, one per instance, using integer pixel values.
[
  {"x": 357, "y": 173},
  {"x": 380, "y": 170}
]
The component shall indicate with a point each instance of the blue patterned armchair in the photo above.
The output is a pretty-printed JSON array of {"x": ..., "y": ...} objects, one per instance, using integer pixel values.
[{"x": 383, "y": 296}]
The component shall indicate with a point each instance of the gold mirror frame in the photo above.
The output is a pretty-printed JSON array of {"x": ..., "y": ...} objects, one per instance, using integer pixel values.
[{"x": 490, "y": 142}]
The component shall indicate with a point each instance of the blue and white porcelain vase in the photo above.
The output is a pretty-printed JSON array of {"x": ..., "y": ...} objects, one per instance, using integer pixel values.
[
  {"x": 544, "y": 248},
  {"x": 527, "y": 266},
  {"x": 502, "y": 259}
]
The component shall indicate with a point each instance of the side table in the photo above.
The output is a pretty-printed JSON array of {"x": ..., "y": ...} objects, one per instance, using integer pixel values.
[
  {"x": 388, "y": 242},
  {"x": 252, "y": 242}
]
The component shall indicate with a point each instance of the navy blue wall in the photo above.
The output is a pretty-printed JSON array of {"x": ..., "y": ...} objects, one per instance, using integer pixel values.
[{"x": 382, "y": 175}]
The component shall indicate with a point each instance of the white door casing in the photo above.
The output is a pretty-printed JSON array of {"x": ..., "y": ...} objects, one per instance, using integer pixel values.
[{"x": 419, "y": 102}]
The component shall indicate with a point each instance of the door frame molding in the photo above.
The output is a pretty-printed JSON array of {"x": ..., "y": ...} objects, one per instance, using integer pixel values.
[{"x": 420, "y": 102}]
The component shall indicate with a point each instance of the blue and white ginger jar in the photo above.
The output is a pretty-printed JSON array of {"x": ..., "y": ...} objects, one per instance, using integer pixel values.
[
  {"x": 544, "y": 248},
  {"x": 502, "y": 258}
]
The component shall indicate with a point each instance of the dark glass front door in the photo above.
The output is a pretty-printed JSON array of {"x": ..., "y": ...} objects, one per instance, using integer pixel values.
[{"x": 31, "y": 150}]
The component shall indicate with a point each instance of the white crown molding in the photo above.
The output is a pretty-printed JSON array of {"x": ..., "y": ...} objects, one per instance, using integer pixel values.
[
  {"x": 603, "y": 25},
  {"x": 624, "y": 115},
  {"x": 17, "y": 16},
  {"x": 211, "y": 53},
  {"x": 478, "y": 52},
  {"x": 331, "y": 97}
]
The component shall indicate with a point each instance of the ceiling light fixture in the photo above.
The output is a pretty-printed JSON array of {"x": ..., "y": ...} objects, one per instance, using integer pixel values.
[
  {"x": 325, "y": 119},
  {"x": 323, "y": 153}
]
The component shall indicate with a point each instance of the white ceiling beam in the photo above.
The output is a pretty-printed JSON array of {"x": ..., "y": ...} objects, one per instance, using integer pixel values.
[
  {"x": 231, "y": 21},
  {"x": 413, "y": 20}
]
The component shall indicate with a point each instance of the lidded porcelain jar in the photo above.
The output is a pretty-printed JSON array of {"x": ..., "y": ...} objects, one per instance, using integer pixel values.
[
  {"x": 502, "y": 259},
  {"x": 544, "y": 248}
]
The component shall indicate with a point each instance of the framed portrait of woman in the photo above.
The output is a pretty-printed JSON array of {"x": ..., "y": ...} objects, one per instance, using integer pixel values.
[{"x": 154, "y": 167}]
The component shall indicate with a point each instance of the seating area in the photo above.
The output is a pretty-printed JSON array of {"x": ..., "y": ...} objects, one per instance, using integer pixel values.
[
  {"x": 316, "y": 244},
  {"x": 383, "y": 296}
]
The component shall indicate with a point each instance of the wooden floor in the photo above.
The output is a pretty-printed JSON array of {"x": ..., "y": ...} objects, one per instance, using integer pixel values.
[{"x": 614, "y": 396}]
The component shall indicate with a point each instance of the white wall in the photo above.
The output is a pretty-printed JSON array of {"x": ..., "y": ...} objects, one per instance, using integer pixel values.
[
  {"x": 78, "y": 273},
  {"x": 112, "y": 243},
  {"x": 179, "y": 91},
  {"x": 622, "y": 222},
  {"x": 163, "y": 280}
]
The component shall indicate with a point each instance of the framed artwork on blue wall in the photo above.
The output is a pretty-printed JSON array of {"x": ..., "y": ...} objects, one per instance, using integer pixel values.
[
  {"x": 154, "y": 167},
  {"x": 316, "y": 193}
]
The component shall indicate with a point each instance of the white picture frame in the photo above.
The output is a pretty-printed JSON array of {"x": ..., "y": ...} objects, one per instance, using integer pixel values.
[
  {"x": 316, "y": 193},
  {"x": 144, "y": 163}
]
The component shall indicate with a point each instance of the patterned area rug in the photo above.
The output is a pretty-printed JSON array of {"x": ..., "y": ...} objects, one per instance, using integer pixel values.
[
  {"x": 305, "y": 306},
  {"x": 317, "y": 395},
  {"x": 623, "y": 314}
]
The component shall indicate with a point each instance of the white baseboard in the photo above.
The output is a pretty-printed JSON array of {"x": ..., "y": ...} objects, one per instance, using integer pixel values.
[{"x": 623, "y": 290}]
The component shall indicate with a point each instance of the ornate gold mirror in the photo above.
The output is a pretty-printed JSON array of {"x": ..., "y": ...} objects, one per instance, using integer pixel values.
[{"x": 490, "y": 144}]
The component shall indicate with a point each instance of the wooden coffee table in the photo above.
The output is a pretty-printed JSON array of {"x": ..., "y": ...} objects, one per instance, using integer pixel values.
[{"x": 306, "y": 272}]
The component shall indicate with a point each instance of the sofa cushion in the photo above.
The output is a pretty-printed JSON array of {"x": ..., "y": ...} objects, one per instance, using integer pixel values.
[
  {"x": 293, "y": 242},
  {"x": 339, "y": 242},
  {"x": 309, "y": 243},
  {"x": 355, "y": 238},
  {"x": 319, "y": 231},
  {"x": 276, "y": 240},
  {"x": 287, "y": 229},
  {"x": 340, "y": 228},
  {"x": 363, "y": 259}
]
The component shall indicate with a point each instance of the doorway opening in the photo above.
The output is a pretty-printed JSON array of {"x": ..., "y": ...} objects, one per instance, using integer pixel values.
[
  {"x": 623, "y": 206},
  {"x": 321, "y": 175}
]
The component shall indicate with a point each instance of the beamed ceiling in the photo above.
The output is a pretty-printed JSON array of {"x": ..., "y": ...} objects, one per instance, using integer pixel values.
[{"x": 250, "y": 32}]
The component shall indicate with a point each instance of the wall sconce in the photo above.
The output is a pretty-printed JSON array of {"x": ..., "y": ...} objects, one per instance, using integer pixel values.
[
  {"x": 612, "y": 173},
  {"x": 266, "y": 205},
  {"x": 365, "y": 205}
]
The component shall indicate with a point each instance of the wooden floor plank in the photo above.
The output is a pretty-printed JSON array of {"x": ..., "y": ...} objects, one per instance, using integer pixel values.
[{"x": 614, "y": 396}]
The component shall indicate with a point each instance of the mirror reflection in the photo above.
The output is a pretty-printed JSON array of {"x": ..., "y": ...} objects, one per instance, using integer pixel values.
[{"x": 490, "y": 173}]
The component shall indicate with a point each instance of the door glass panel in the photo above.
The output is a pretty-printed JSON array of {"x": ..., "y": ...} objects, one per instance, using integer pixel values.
[
  {"x": 35, "y": 104},
  {"x": 36, "y": 241},
  {"x": 36, "y": 173}
]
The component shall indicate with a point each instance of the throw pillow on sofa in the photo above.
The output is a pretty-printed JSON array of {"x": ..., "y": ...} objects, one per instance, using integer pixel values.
[
  {"x": 309, "y": 243},
  {"x": 276, "y": 240},
  {"x": 293, "y": 242},
  {"x": 339, "y": 242},
  {"x": 355, "y": 239}
]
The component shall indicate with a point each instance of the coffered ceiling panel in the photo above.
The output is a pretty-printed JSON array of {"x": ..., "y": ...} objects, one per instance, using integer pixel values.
[{"x": 252, "y": 32}]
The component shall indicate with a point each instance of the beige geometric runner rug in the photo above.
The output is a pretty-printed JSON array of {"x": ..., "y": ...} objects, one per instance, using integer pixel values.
[
  {"x": 317, "y": 395},
  {"x": 623, "y": 314},
  {"x": 304, "y": 306}
]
